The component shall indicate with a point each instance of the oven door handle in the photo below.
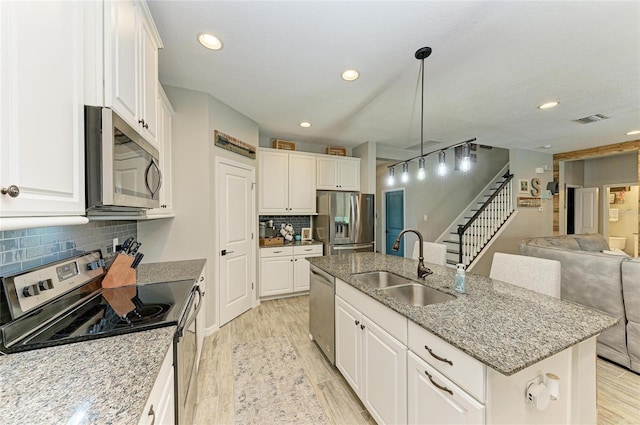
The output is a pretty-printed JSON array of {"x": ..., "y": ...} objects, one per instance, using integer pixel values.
[{"x": 187, "y": 323}]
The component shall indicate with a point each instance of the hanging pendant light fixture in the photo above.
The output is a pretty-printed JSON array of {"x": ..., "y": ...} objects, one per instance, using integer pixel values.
[
  {"x": 421, "y": 171},
  {"x": 465, "y": 163},
  {"x": 442, "y": 164},
  {"x": 405, "y": 172}
]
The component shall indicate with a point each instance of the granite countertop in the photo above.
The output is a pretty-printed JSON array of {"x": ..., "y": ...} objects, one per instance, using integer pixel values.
[
  {"x": 169, "y": 271},
  {"x": 100, "y": 381},
  {"x": 506, "y": 327}
]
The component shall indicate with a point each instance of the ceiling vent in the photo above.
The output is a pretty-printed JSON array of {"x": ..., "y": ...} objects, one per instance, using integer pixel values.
[{"x": 592, "y": 118}]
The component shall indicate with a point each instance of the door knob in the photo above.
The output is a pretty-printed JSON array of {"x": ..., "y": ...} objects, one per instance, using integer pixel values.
[{"x": 13, "y": 191}]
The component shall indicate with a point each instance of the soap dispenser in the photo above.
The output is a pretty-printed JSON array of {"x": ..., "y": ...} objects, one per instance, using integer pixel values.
[{"x": 460, "y": 285}]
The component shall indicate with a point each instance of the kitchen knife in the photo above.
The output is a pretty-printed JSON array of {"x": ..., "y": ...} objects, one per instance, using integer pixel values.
[
  {"x": 126, "y": 244},
  {"x": 133, "y": 249},
  {"x": 137, "y": 260}
]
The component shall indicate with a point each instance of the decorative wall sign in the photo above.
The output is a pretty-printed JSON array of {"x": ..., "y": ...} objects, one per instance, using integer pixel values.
[
  {"x": 523, "y": 185},
  {"x": 529, "y": 202},
  {"x": 234, "y": 145},
  {"x": 535, "y": 187}
]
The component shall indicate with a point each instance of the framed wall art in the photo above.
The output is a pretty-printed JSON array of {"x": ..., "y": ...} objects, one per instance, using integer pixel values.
[{"x": 523, "y": 186}]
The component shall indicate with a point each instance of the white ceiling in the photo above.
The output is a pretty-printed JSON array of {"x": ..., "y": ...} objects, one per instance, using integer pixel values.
[{"x": 492, "y": 64}]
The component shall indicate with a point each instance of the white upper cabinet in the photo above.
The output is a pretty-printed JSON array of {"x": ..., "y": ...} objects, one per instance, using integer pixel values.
[
  {"x": 165, "y": 111},
  {"x": 338, "y": 173},
  {"x": 287, "y": 182},
  {"x": 124, "y": 57},
  {"x": 41, "y": 109}
]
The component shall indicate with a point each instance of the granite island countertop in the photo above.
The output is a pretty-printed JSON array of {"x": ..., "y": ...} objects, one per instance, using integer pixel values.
[
  {"x": 506, "y": 327},
  {"x": 105, "y": 380}
]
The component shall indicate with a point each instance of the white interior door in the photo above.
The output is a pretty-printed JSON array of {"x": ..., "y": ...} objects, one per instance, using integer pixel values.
[
  {"x": 586, "y": 210},
  {"x": 235, "y": 240}
]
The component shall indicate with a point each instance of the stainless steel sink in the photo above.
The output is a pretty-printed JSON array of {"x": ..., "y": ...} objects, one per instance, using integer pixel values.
[
  {"x": 417, "y": 295},
  {"x": 380, "y": 280}
]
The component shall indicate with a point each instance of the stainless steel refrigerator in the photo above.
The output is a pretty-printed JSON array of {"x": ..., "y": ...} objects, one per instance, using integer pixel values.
[{"x": 345, "y": 222}]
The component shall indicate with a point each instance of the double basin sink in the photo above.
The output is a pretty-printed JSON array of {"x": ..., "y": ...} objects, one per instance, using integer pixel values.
[{"x": 402, "y": 289}]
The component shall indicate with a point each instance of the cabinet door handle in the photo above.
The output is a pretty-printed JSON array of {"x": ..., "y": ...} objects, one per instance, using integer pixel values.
[
  {"x": 357, "y": 322},
  {"x": 440, "y": 387},
  {"x": 361, "y": 326},
  {"x": 13, "y": 191},
  {"x": 152, "y": 413},
  {"x": 201, "y": 278},
  {"x": 437, "y": 357}
]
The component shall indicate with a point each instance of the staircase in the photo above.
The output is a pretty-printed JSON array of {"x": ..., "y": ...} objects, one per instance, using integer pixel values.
[{"x": 472, "y": 230}]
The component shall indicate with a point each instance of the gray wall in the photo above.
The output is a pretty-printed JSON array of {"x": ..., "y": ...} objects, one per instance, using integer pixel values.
[
  {"x": 528, "y": 222},
  {"x": 192, "y": 233},
  {"x": 440, "y": 198},
  {"x": 367, "y": 154},
  {"x": 611, "y": 169},
  {"x": 27, "y": 248}
]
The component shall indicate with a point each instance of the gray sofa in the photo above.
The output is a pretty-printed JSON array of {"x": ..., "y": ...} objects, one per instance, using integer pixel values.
[{"x": 610, "y": 283}]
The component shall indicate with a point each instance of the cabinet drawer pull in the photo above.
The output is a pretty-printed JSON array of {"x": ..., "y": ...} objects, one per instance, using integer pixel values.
[
  {"x": 277, "y": 252},
  {"x": 445, "y": 389},
  {"x": 437, "y": 357},
  {"x": 152, "y": 413}
]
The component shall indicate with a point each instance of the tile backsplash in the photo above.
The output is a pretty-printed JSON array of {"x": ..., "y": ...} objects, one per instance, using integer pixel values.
[
  {"x": 298, "y": 221},
  {"x": 26, "y": 248}
]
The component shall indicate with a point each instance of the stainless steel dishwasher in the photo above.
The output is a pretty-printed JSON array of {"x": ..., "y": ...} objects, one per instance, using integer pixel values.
[{"x": 322, "y": 312}]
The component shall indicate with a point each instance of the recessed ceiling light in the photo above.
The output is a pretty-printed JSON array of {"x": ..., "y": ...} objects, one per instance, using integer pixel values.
[
  {"x": 631, "y": 133},
  {"x": 210, "y": 41},
  {"x": 350, "y": 75},
  {"x": 548, "y": 105},
  {"x": 305, "y": 124}
]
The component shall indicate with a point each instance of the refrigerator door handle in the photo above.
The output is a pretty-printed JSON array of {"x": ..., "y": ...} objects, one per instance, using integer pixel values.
[{"x": 354, "y": 233}]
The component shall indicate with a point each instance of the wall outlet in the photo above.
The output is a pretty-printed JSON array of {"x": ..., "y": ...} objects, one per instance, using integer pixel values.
[
  {"x": 540, "y": 209},
  {"x": 425, "y": 217}
]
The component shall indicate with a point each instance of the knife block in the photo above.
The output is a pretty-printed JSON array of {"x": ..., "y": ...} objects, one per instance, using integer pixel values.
[{"x": 120, "y": 272}]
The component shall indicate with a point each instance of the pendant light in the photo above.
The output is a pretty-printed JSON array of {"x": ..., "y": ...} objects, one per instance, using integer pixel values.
[
  {"x": 421, "y": 54},
  {"x": 465, "y": 163},
  {"x": 391, "y": 180},
  {"x": 421, "y": 172},
  {"x": 405, "y": 172},
  {"x": 442, "y": 164}
]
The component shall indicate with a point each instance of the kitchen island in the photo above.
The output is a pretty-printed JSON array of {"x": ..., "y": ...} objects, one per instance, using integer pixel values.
[
  {"x": 99, "y": 381},
  {"x": 507, "y": 334}
]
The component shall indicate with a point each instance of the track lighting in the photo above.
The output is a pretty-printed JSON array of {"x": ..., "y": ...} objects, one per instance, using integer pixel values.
[
  {"x": 391, "y": 180},
  {"x": 405, "y": 172},
  {"x": 465, "y": 163},
  {"x": 442, "y": 164},
  {"x": 421, "y": 172}
]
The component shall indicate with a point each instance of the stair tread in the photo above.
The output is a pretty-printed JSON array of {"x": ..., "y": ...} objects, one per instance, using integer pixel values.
[
  {"x": 450, "y": 241},
  {"x": 451, "y": 251}
]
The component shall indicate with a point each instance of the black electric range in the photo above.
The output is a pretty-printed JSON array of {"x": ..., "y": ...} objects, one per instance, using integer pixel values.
[{"x": 64, "y": 302}]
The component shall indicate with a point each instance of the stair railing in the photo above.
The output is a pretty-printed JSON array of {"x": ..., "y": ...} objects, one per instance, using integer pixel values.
[{"x": 479, "y": 230}]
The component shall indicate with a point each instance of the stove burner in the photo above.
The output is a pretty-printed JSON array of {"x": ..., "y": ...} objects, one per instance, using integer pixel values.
[
  {"x": 145, "y": 313},
  {"x": 139, "y": 316}
]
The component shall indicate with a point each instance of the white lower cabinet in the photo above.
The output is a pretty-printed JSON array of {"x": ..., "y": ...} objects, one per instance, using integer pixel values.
[
  {"x": 434, "y": 399},
  {"x": 160, "y": 406},
  {"x": 373, "y": 362},
  {"x": 285, "y": 270}
]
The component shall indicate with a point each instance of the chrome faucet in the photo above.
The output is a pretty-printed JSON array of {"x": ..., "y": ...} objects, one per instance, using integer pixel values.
[{"x": 423, "y": 271}]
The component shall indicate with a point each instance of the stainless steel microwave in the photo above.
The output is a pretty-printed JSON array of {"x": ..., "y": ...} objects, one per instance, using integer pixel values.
[{"x": 121, "y": 168}]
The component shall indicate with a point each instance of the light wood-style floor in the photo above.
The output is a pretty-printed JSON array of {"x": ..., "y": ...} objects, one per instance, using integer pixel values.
[{"x": 618, "y": 388}]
